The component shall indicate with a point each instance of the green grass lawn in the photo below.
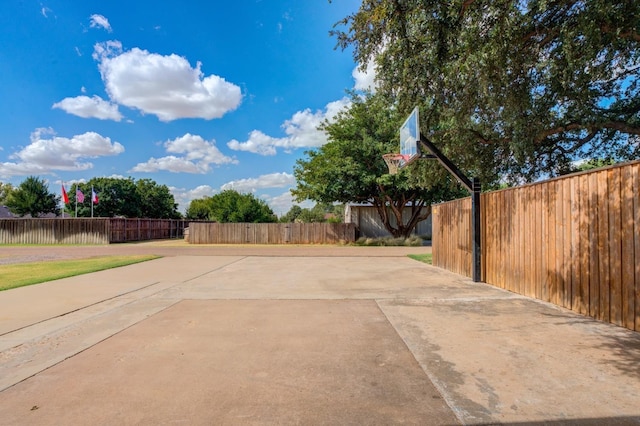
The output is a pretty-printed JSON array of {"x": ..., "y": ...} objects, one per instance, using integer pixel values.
[
  {"x": 23, "y": 274},
  {"x": 425, "y": 258}
]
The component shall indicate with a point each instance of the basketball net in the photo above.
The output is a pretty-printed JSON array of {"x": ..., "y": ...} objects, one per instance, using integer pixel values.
[{"x": 394, "y": 162}]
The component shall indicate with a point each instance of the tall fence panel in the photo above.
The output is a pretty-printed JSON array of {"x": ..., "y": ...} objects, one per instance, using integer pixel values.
[
  {"x": 573, "y": 241},
  {"x": 451, "y": 238},
  {"x": 271, "y": 233}
]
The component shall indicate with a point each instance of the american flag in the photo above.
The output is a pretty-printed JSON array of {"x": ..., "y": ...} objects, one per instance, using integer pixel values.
[{"x": 79, "y": 196}]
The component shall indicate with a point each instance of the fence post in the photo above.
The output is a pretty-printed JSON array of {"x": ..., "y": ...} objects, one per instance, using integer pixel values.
[{"x": 476, "y": 231}]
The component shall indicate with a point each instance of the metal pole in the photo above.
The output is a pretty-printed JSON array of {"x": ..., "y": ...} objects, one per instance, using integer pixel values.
[
  {"x": 473, "y": 186},
  {"x": 476, "y": 232}
]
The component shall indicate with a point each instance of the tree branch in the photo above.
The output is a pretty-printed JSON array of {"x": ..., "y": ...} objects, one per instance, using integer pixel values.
[
  {"x": 465, "y": 6},
  {"x": 591, "y": 127},
  {"x": 632, "y": 35}
]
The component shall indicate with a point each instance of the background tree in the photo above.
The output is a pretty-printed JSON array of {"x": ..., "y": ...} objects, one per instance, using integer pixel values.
[
  {"x": 125, "y": 197},
  {"x": 231, "y": 206},
  {"x": 591, "y": 164},
  {"x": 156, "y": 200},
  {"x": 515, "y": 89},
  {"x": 198, "y": 209},
  {"x": 321, "y": 212},
  {"x": 350, "y": 168},
  {"x": 5, "y": 190},
  {"x": 32, "y": 197},
  {"x": 293, "y": 214}
]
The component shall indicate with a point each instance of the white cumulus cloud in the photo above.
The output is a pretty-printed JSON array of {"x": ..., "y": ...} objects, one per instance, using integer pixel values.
[
  {"x": 86, "y": 107},
  {"x": 99, "y": 21},
  {"x": 365, "y": 79},
  {"x": 281, "y": 204},
  {"x": 197, "y": 156},
  {"x": 273, "y": 180},
  {"x": 184, "y": 196},
  {"x": 47, "y": 153},
  {"x": 165, "y": 86},
  {"x": 301, "y": 132}
]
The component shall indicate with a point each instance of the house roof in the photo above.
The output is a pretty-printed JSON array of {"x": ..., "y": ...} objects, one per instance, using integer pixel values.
[{"x": 5, "y": 213}]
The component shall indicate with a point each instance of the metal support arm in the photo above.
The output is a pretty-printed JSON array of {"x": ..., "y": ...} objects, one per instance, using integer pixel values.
[
  {"x": 426, "y": 144},
  {"x": 474, "y": 188}
]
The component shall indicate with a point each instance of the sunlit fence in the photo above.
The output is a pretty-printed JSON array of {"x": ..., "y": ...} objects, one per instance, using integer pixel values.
[
  {"x": 573, "y": 241},
  {"x": 271, "y": 233}
]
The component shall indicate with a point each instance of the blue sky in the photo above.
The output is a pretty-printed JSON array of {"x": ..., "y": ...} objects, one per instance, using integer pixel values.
[{"x": 200, "y": 96}]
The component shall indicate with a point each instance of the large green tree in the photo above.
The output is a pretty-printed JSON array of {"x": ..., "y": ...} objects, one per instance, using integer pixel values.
[
  {"x": 198, "y": 209},
  {"x": 125, "y": 197},
  {"x": 350, "y": 168},
  {"x": 156, "y": 200},
  {"x": 515, "y": 89},
  {"x": 32, "y": 197},
  {"x": 232, "y": 206}
]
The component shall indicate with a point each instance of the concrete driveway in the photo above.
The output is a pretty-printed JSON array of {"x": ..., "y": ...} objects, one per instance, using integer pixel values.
[{"x": 307, "y": 335}]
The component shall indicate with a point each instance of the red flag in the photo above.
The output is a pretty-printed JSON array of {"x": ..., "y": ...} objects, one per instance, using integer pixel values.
[
  {"x": 94, "y": 196},
  {"x": 65, "y": 197}
]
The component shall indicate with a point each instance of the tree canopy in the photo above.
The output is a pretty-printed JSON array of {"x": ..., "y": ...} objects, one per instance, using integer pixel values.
[
  {"x": 321, "y": 212},
  {"x": 124, "y": 197},
  {"x": 231, "y": 206},
  {"x": 32, "y": 197},
  {"x": 350, "y": 168},
  {"x": 5, "y": 190},
  {"x": 515, "y": 89}
]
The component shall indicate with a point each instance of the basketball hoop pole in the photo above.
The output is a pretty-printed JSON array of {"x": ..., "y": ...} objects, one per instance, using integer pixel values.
[{"x": 474, "y": 188}]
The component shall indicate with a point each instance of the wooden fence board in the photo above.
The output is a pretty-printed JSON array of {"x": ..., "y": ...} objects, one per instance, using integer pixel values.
[
  {"x": 603, "y": 247},
  {"x": 594, "y": 266},
  {"x": 583, "y": 245},
  {"x": 627, "y": 236},
  {"x": 615, "y": 247},
  {"x": 559, "y": 264},
  {"x": 636, "y": 241},
  {"x": 271, "y": 233},
  {"x": 573, "y": 241},
  {"x": 567, "y": 270}
]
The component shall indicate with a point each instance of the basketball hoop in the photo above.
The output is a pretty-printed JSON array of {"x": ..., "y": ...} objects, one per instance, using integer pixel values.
[{"x": 394, "y": 162}]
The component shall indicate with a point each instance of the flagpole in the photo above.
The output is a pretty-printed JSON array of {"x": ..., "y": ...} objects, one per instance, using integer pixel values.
[
  {"x": 91, "y": 201},
  {"x": 62, "y": 217},
  {"x": 76, "y": 200}
]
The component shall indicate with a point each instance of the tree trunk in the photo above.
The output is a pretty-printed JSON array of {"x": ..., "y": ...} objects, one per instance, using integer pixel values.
[{"x": 401, "y": 230}]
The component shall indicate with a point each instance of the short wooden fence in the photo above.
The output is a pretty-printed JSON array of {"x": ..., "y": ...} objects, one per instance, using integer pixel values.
[
  {"x": 88, "y": 230},
  {"x": 271, "y": 233},
  {"x": 573, "y": 241}
]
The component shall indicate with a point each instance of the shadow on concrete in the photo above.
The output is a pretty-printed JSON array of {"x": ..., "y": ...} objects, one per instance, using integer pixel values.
[{"x": 621, "y": 343}]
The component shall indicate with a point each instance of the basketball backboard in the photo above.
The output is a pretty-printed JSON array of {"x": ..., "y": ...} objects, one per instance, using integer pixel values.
[{"x": 409, "y": 137}]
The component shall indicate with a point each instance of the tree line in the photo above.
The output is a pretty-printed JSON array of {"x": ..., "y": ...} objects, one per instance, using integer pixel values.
[
  {"x": 115, "y": 197},
  {"x": 145, "y": 198}
]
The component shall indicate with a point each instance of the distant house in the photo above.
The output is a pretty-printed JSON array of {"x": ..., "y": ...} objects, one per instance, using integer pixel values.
[
  {"x": 5, "y": 213},
  {"x": 369, "y": 224}
]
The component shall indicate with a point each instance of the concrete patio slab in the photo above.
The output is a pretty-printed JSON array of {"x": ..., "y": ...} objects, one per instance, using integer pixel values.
[{"x": 264, "y": 339}]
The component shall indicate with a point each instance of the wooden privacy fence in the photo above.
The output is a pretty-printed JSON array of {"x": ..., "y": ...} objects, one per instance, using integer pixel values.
[
  {"x": 87, "y": 230},
  {"x": 124, "y": 230},
  {"x": 271, "y": 233},
  {"x": 573, "y": 241}
]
